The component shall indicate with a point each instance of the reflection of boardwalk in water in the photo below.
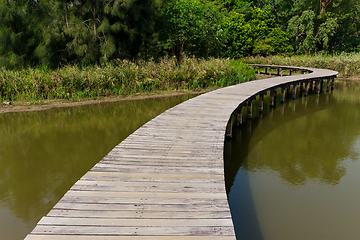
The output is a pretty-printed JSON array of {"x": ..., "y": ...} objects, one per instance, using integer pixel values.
[{"x": 164, "y": 180}]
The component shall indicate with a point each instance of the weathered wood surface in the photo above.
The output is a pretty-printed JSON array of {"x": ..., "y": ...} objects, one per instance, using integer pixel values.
[{"x": 166, "y": 180}]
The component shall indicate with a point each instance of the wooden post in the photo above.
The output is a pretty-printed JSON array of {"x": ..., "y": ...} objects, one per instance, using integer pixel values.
[
  {"x": 266, "y": 70},
  {"x": 272, "y": 98},
  {"x": 291, "y": 72},
  {"x": 270, "y": 71},
  {"x": 239, "y": 116},
  {"x": 228, "y": 133},
  {"x": 306, "y": 88},
  {"x": 332, "y": 83},
  {"x": 288, "y": 91},
  {"x": 317, "y": 86},
  {"x": 321, "y": 85},
  {"x": 282, "y": 94},
  {"x": 258, "y": 70},
  {"x": 278, "y": 70},
  {"x": 261, "y": 103},
  {"x": 281, "y": 72},
  {"x": 249, "y": 109},
  {"x": 313, "y": 85},
  {"x": 301, "y": 88},
  {"x": 328, "y": 85},
  {"x": 294, "y": 91}
]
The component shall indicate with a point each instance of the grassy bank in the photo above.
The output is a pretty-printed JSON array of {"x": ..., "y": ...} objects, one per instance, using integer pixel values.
[
  {"x": 346, "y": 64},
  {"x": 121, "y": 77}
]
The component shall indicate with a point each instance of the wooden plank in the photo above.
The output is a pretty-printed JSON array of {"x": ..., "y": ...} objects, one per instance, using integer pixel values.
[
  {"x": 82, "y": 237},
  {"x": 138, "y": 214},
  {"x": 188, "y": 222},
  {"x": 120, "y": 200},
  {"x": 145, "y": 207},
  {"x": 159, "y": 195},
  {"x": 135, "y": 231}
]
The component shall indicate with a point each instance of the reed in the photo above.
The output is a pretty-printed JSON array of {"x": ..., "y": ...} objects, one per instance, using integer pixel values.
[
  {"x": 347, "y": 64},
  {"x": 121, "y": 77}
]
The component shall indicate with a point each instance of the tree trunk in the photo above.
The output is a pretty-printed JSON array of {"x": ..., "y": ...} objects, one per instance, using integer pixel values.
[{"x": 181, "y": 51}]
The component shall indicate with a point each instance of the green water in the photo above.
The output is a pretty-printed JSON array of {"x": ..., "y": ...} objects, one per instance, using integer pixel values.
[
  {"x": 42, "y": 154},
  {"x": 294, "y": 173}
]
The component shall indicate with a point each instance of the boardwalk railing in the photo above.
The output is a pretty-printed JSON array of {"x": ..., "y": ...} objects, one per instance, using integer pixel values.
[{"x": 166, "y": 180}]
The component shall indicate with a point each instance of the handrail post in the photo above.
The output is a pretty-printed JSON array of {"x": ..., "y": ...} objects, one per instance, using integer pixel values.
[{"x": 281, "y": 72}]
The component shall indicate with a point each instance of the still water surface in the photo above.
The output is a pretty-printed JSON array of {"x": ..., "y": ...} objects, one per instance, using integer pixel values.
[
  {"x": 42, "y": 154},
  {"x": 294, "y": 173}
]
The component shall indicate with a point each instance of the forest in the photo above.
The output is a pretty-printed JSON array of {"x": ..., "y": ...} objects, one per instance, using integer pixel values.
[{"x": 56, "y": 33}]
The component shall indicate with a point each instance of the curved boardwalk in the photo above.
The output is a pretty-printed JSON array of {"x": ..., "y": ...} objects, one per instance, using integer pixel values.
[{"x": 166, "y": 180}]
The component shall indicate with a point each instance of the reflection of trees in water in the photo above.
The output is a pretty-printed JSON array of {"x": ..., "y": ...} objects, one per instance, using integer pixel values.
[
  {"x": 42, "y": 154},
  {"x": 308, "y": 143}
]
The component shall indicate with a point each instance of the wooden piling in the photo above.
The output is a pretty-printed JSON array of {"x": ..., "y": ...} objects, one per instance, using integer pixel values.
[
  {"x": 249, "y": 109},
  {"x": 228, "y": 133},
  {"x": 239, "y": 116},
  {"x": 307, "y": 85},
  {"x": 294, "y": 91},
  {"x": 328, "y": 85},
  {"x": 282, "y": 94},
  {"x": 317, "y": 86},
  {"x": 272, "y": 98},
  {"x": 261, "y": 103}
]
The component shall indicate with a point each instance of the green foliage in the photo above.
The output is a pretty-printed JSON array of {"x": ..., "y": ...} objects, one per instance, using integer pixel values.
[
  {"x": 189, "y": 27},
  {"x": 54, "y": 33},
  {"x": 258, "y": 35},
  {"x": 121, "y": 77}
]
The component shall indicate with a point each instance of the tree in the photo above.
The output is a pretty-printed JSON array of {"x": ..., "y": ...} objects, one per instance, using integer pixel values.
[
  {"x": 257, "y": 33},
  {"x": 189, "y": 27}
]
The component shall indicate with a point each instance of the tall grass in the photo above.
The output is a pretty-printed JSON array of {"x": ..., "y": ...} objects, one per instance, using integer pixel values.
[
  {"x": 347, "y": 64},
  {"x": 121, "y": 77}
]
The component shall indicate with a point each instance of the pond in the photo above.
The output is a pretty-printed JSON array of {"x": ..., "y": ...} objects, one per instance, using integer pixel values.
[
  {"x": 294, "y": 172},
  {"x": 42, "y": 154}
]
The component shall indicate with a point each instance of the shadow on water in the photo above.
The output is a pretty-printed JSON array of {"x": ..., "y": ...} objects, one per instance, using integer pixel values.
[
  {"x": 42, "y": 154},
  {"x": 294, "y": 171}
]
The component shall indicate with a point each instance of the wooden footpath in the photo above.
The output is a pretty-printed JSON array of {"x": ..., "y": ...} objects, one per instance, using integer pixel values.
[{"x": 166, "y": 180}]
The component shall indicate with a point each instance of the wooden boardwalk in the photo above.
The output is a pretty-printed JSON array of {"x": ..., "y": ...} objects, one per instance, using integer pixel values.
[{"x": 166, "y": 180}]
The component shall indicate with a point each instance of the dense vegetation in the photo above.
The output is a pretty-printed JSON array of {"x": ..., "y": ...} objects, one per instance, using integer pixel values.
[
  {"x": 121, "y": 77},
  {"x": 54, "y": 33}
]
